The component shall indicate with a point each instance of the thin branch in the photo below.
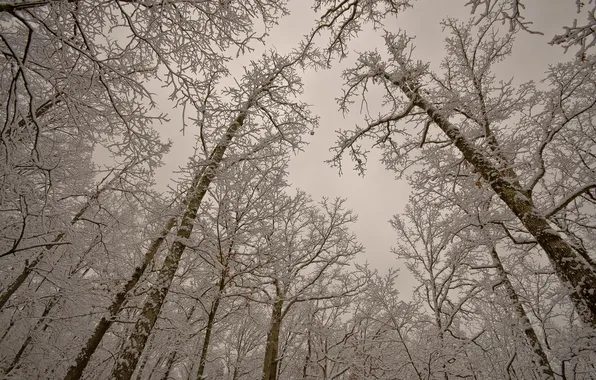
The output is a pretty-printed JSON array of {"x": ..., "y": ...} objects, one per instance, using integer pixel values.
[{"x": 569, "y": 199}]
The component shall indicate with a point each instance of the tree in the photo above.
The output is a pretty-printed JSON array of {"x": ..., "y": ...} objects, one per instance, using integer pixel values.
[
  {"x": 471, "y": 121},
  {"x": 425, "y": 241},
  {"x": 241, "y": 197},
  {"x": 265, "y": 96},
  {"x": 307, "y": 249},
  {"x": 232, "y": 274}
]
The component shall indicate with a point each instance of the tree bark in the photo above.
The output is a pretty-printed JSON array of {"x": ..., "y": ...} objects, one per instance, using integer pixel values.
[
  {"x": 272, "y": 346},
  {"x": 209, "y": 328},
  {"x": 129, "y": 356},
  {"x": 307, "y": 358},
  {"x": 540, "y": 359},
  {"x": 29, "y": 266},
  {"x": 213, "y": 312},
  {"x": 17, "y": 358},
  {"x": 572, "y": 270},
  {"x": 76, "y": 370}
]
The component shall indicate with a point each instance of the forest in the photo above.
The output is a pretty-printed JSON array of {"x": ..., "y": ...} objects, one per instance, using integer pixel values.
[{"x": 222, "y": 268}]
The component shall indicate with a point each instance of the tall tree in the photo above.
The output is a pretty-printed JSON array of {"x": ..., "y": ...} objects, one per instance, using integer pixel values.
[
  {"x": 241, "y": 198},
  {"x": 307, "y": 248},
  {"x": 468, "y": 105},
  {"x": 264, "y": 96},
  {"x": 425, "y": 243}
]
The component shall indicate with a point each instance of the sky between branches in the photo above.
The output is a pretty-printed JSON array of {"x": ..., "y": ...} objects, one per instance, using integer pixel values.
[{"x": 379, "y": 195}]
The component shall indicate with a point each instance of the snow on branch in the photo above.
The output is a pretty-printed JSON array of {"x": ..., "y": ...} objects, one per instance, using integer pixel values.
[{"x": 569, "y": 199}]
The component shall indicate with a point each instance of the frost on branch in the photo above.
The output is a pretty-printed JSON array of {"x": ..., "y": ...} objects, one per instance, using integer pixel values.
[
  {"x": 371, "y": 69},
  {"x": 468, "y": 106},
  {"x": 343, "y": 20},
  {"x": 508, "y": 11},
  {"x": 580, "y": 35}
]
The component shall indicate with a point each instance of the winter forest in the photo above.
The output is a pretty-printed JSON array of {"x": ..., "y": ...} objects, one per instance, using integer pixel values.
[{"x": 151, "y": 226}]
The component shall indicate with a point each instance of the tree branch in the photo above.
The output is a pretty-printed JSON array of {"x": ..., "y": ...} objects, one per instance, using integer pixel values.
[{"x": 569, "y": 199}]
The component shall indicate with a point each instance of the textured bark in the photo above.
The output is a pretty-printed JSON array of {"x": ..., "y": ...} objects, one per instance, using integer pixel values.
[
  {"x": 144, "y": 364},
  {"x": 272, "y": 347},
  {"x": 76, "y": 370},
  {"x": 572, "y": 270},
  {"x": 209, "y": 327},
  {"x": 129, "y": 356},
  {"x": 540, "y": 360}
]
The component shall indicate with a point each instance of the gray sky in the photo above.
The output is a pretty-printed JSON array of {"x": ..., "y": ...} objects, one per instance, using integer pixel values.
[{"x": 378, "y": 196}]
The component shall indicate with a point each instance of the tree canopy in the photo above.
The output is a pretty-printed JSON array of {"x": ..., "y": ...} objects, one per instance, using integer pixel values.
[{"x": 224, "y": 270}]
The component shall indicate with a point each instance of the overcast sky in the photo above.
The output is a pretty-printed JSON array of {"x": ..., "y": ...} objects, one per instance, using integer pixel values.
[{"x": 379, "y": 195}]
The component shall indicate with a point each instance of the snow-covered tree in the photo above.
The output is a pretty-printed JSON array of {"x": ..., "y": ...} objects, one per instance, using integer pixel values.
[
  {"x": 233, "y": 274},
  {"x": 479, "y": 117}
]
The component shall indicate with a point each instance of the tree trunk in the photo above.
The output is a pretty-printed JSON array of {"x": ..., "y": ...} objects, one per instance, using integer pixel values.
[
  {"x": 169, "y": 365},
  {"x": 540, "y": 359},
  {"x": 272, "y": 347},
  {"x": 75, "y": 371},
  {"x": 213, "y": 312},
  {"x": 307, "y": 358},
  {"x": 209, "y": 328},
  {"x": 29, "y": 266},
  {"x": 142, "y": 368},
  {"x": 17, "y": 358},
  {"x": 572, "y": 270},
  {"x": 129, "y": 356}
]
